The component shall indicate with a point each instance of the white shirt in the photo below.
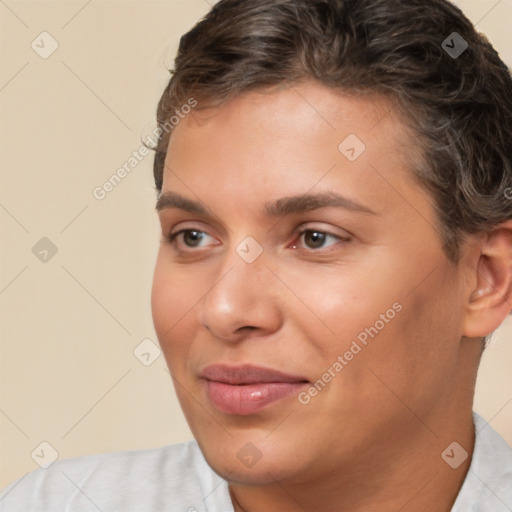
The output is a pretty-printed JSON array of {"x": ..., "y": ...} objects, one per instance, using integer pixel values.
[{"x": 177, "y": 478}]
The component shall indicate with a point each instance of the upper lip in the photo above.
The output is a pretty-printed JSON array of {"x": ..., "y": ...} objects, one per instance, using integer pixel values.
[{"x": 246, "y": 374}]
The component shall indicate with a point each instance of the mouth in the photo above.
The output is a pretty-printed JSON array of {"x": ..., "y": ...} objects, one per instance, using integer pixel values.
[{"x": 247, "y": 389}]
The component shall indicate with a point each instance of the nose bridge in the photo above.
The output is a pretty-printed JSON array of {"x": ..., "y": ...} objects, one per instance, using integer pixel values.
[
  {"x": 243, "y": 267},
  {"x": 239, "y": 282}
]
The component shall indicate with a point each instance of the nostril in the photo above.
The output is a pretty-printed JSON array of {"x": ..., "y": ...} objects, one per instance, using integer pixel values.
[{"x": 248, "y": 327}]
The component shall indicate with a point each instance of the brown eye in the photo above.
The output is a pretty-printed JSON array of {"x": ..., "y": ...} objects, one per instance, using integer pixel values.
[
  {"x": 314, "y": 239},
  {"x": 192, "y": 238}
]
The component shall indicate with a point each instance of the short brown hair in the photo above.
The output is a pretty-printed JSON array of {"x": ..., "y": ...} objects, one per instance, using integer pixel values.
[{"x": 461, "y": 107}]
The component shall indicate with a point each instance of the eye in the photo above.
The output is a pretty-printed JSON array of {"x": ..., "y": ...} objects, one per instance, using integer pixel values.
[
  {"x": 189, "y": 238},
  {"x": 315, "y": 239}
]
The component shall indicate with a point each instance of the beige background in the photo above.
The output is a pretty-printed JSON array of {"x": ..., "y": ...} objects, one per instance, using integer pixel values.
[{"x": 69, "y": 326}]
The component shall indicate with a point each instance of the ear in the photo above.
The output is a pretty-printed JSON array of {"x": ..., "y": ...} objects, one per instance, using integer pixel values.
[{"x": 491, "y": 300}]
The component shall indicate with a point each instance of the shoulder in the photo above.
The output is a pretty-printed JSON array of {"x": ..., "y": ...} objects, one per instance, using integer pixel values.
[
  {"x": 488, "y": 483},
  {"x": 175, "y": 476}
]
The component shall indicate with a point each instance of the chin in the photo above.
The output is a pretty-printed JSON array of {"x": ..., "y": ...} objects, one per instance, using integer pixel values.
[
  {"x": 250, "y": 466},
  {"x": 260, "y": 474}
]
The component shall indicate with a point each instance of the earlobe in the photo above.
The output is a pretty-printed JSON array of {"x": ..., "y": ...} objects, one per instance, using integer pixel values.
[
  {"x": 479, "y": 293},
  {"x": 491, "y": 299}
]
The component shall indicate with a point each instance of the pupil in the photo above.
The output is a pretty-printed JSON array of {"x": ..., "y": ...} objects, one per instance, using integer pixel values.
[
  {"x": 317, "y": 239},
  {"x": 193, "y": 238}
]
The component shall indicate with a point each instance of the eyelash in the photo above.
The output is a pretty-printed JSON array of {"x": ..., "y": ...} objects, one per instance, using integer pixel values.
[{"x": 171, "y": 239}]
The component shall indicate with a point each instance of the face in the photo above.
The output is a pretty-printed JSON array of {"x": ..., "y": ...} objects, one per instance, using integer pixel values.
[{"x": 301, "y": 295}]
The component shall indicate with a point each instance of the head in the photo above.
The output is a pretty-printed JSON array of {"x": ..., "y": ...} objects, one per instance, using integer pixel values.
[{"x": 344, "y": 183}]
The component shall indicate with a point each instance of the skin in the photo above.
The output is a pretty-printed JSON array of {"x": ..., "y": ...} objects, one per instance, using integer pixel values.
[{"x": 372, "y": 438}]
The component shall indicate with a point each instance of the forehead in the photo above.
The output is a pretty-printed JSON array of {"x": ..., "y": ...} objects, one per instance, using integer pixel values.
[{"x": 262, "y": 144}]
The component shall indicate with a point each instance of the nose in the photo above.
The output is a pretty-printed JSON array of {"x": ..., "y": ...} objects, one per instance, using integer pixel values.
[{"x": 244, "y": 302}]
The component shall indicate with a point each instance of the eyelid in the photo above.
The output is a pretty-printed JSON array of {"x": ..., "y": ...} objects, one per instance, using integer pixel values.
[
  {"x": 191, "y": 225},
  {"x": 342, "y": 235},
  {"x": 170, "y": 218}
]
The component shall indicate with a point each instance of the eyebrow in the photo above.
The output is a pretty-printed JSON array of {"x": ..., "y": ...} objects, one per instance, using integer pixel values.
[
  {"x": 279, "y": 208},
  {"x": 172, "y": 200},
  {"x": 309, "y": 202}
]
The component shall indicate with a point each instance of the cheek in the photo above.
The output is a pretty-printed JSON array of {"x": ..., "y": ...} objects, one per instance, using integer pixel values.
[
  {"x": 340, "y": 304},
  {"x": 173, "y": 297},
  {"x": 162, "y": 300},
  {"x": 402, "y": 322},
  {"x": 416, "y": 354}
]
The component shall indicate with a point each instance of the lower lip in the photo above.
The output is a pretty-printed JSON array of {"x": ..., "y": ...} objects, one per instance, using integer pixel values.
[{"x": 250, "y": 398}]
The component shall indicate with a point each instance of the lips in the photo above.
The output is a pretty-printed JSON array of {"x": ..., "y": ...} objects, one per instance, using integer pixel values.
[{"x": 248, "y": 389}]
